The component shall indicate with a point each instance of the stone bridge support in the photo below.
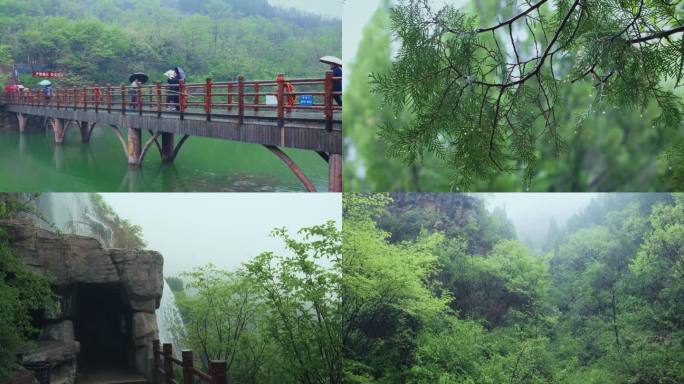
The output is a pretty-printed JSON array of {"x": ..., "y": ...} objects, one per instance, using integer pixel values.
[
  {"x": 168, "y": 153},
  {"x": 59, "y": 128},
  {"x": 22, "y": 122},
  {"x": 134, "y": 149},
  {"x": 86, "y": 129},
  {"x": 335, "y": 173}
]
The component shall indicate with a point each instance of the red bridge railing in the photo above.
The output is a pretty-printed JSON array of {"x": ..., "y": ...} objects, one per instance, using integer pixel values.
[
  {"x": 281, "y": 97},
  {"x": 163, "y": 370}
]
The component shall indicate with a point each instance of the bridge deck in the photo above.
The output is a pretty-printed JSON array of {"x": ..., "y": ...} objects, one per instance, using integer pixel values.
[{"x": 303, "y": 130}]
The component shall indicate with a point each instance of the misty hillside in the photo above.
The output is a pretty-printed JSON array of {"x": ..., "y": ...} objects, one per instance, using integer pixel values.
[
  {"x": 454, "y": 214},
  {"x": 104, "y": 40}
]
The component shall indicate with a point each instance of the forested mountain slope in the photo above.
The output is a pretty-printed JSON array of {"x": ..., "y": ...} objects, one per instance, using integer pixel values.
[
  {"x": 105, "y": 40},
  {"x": 603, "y": 305}
]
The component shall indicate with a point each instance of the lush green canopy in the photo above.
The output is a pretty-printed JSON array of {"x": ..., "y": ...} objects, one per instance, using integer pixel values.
[
  {"x": 603, "y": 305},
  {"x": 104, "y": 41}
]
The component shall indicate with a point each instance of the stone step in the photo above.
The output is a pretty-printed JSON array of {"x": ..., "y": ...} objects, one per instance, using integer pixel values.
[
  {"x": 111, "y": 377},
  {"x": 125, "y": 381}
]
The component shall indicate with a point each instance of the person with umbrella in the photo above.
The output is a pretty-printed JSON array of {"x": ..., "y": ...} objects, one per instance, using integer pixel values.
[
  {"x": 47, "y": 90},
  {"x": 136, "y": 79},
  {"x": 174, "y": 76},
  {"x": 336, "y": 67}
]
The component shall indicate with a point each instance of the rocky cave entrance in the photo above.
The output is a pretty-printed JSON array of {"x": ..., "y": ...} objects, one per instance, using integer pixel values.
[{"x": 102, "y": 325}]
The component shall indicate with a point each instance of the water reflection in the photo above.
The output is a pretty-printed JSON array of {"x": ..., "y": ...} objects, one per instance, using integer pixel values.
[
  {"x": 33, "y": 161},
  {"x": 22, "y": 145},
  {"x": 58, "y": 158},
  {"x": 132, "y": 180}
]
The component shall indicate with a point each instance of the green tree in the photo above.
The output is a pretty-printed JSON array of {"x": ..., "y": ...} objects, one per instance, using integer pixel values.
[
  {"x": 366, "y": 169},
  {"x": 22, "y": 292},
  {"x": 222, "y": 321},
  {"x": 482, "y": 94},
  {"x": 300, "y": 292},
  {"x": 175, "y": 283}
]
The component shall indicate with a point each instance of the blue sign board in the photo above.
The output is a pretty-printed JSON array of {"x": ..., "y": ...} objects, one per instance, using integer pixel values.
[{"x": 306, "y": 100}]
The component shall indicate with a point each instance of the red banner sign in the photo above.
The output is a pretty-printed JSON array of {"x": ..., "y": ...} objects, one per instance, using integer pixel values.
[{"x": 47, "y": 74}]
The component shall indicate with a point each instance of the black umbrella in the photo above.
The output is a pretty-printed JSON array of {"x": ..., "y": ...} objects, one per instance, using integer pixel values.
[
  {"x": 138, "y": 76},
  {"x": 181, "y": 72}
]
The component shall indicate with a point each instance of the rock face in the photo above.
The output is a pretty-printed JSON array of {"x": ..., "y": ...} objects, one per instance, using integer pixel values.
[
  {"x": 78, "y": 263},
  {"x": 62, "y": 358}
]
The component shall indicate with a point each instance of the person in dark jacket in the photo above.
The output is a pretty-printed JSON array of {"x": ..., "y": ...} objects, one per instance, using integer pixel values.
[
  {"x": 133, "y": 93},
  {"x": 47, "y": 93},
  {"x": 337, "y": 84},
  {"x": 173, "y": 99}
]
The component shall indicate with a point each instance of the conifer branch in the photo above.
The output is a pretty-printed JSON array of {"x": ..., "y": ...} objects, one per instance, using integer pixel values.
[
  {"x": 474, "y": 91},
  {"x": 513, "y": 19},
  {"x": 659, "y": 35}
]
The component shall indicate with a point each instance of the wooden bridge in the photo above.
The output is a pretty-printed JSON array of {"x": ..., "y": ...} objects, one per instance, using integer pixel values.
[{"x": 280, "y": 113}]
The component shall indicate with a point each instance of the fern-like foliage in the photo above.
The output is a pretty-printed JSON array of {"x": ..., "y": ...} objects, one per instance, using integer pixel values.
[{"x": 482, "y": 97}]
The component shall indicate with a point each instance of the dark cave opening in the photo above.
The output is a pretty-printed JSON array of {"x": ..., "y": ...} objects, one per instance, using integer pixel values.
[{"x": 102, "y": 325}]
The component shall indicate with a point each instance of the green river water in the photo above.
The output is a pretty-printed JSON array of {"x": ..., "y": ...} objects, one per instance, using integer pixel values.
[{"x": 33, "y": 162}]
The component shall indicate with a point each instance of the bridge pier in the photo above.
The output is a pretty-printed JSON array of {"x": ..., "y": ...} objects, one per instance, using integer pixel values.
[
  {"x": 59, "y": 129},
  {"x": 167, "y": 147},
  {"x": 335, "y": 173},
  {"x": 134, "y": 147},
  {"x": 22, "y": 122},
  {"x": 86, "y": 129}
]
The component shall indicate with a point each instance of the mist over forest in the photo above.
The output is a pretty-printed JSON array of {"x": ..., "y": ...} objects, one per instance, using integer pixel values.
[{"x": 438, "y": 289}]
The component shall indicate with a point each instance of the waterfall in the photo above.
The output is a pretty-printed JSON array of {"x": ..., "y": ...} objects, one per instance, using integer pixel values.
[
  {"x": 169, "y": 321},
  {"x": 75, "y": 213}
]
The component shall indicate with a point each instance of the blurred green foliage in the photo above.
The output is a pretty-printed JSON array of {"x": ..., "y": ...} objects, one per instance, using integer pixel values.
[{"x": 599, "y": 143}]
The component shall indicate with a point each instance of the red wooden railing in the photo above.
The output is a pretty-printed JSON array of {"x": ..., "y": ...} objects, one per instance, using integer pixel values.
[
  {"x": 162, "y": 372},
  {"x": 208, "y": 99}
]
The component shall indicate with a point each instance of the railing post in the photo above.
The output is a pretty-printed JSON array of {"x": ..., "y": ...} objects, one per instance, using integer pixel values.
[
  {"x": 155, "y": 358},
  {"x": 168, "y": 363},
  {"x": 256, "y": 97},
  {"x": 328, "y": 100},
  {"x": 181, "y": 98},
  {"x": 109, "y": 98},
  {"x": 139, "y": 99},
  {"x": 280, "y": 79},
  {"x": 241, "y": 99},
  {"x": 230, "y": 97},
  {"x": 97, "y": 98},
  {"x": 85, "y": 98},
  {"x": 280, "y": 93},
  {"x": 123, "y": 99},
  {"x": 187, "y": 367},
  {"x": 159, "y": 96},
  {"x": 57, "y": 94},
  {"x": 207, "y": 98},
  {"x": 218, "y": 372}
]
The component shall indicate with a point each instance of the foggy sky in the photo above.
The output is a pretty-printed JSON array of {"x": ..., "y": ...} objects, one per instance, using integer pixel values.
[
  {"x": 226, "y": 229},
  {"x": 532, "y": 212},
  {"x": 328, "y": 8}
]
